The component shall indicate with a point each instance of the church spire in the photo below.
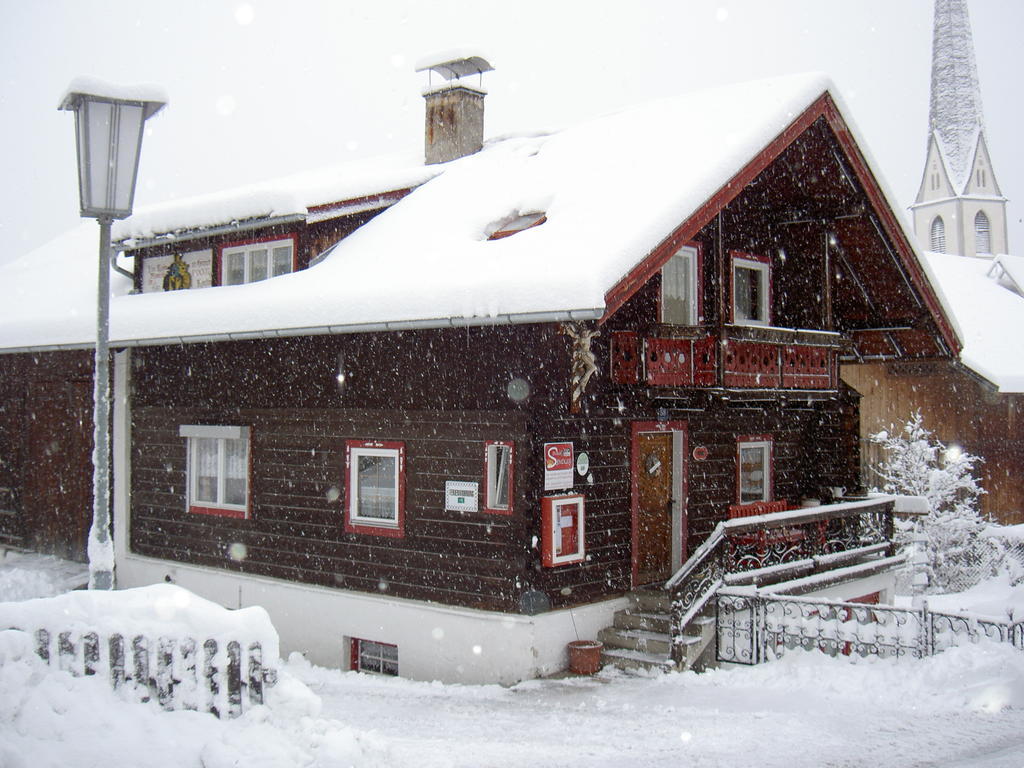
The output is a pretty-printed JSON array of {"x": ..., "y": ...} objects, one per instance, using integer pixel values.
[
  {"x": 959, "y": 207},
  {"x": 955, "y": 112}
]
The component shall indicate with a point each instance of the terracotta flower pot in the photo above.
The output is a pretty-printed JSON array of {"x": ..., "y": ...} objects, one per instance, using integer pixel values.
[{"x": 585, "y": 656}]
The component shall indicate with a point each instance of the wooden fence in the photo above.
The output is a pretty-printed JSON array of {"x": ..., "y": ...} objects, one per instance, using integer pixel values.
[{"x": 216, "y": 677}]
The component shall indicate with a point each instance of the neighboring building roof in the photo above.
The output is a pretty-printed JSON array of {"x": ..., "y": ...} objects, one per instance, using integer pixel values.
[
  {"x": 612, "y": 190},
  {"x": 990, "y": 316},
  {"x": 291, "y": 195}
]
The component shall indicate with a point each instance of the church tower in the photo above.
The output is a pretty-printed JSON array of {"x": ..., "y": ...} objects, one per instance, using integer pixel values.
[{"x": 959, "y": 207}]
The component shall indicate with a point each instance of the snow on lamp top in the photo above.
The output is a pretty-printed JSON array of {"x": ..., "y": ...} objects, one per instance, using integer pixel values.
[{"x": 108, "y": 130}]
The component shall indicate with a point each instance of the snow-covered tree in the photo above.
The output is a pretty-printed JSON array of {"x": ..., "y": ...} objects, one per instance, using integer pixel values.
[{"x": 917, "y": 464}]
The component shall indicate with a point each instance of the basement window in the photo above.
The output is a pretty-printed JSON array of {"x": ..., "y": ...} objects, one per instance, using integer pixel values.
[
  {"x": 754, "y": 469},
  {"x": 218, "y": 469},
  {"x": 376, "y": 658},
  {"x": 375, "y": 487},
  {"x": 515, "y": 224},
  {"x": 751, "y": 289},
  {"x": 253, "y": 262}
]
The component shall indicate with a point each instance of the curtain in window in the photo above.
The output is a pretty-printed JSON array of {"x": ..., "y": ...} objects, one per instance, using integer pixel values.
[
  {"x": 236, "y": 471},
  {"x": 206, "y": 469},
  {"x": 376, "y": 487}
]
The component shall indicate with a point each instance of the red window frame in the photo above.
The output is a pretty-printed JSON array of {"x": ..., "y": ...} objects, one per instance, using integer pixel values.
[
  {"x": 488, "y": 506},
  {"x": 698, "y": 281},
  {"x": 206, "y": 508},
  {"x": 361, "y": 525},
  {"x": 219, "y": 252},
  {"x": 735, "y": 256},
  {"x": 769, "y": 481}
]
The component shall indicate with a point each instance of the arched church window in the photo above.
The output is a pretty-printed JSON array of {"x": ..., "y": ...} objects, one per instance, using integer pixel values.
[
  {"x": 938, "y": 235},
  {"x": 982, "y": 233}
]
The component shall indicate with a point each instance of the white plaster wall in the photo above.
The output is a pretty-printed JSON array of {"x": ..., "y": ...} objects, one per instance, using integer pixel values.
[
  {"x": 884, "y": 583},
  {"x": 435, "y": 642}
]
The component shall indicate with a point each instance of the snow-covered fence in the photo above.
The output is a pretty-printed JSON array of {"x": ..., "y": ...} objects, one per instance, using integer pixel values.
[
  {"x": 159, "y": 643},
  {"x": 755, "y": 627},
  {"x": 216, "y": 677}
]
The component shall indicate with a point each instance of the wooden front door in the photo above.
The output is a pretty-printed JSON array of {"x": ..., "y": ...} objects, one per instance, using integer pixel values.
[
  {"x": 57, "y": 500},
  {"x": 653, "y": 467}
]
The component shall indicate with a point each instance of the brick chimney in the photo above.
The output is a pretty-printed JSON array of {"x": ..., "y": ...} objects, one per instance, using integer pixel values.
[{"x": 455, "y": 108}]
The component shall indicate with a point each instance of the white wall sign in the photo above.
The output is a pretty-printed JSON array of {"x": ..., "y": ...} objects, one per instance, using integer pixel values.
[
  {"x": 558, "y": 466},
  {"x": 177, "y": 271},
  {"x": 460, "y": 496}
]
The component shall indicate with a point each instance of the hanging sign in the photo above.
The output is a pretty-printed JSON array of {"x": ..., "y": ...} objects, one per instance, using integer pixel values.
[
  {"x": 460, "y": 496},
  {"x": 558, "y": 466}
]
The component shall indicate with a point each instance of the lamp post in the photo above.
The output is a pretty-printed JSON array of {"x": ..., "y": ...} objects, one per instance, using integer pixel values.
[{"x": 109, "y": 122}]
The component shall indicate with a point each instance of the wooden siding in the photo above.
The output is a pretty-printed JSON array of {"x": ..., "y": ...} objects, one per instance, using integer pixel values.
[
  {"x": 45, "y": 452},
  {"x": 297, "y": 490},
  {"x": 960, "y": 410}
]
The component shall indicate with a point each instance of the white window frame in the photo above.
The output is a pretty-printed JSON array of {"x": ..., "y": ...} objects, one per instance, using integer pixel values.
[
  {"x": 766, "y": 469},
  {"x": 683, "y": 262},
  {"x": 222, "y": 434},
  {"x": 763, "y": 271},
  {"x": 492, "y": 473},
  {"x": 247, "y": 249},
  {"x": 396, "y": 451},
  {"x": 374, "y": 651}
]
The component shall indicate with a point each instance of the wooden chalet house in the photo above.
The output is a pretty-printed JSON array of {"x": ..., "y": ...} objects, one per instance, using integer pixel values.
[{"x": 438, "y": 419}]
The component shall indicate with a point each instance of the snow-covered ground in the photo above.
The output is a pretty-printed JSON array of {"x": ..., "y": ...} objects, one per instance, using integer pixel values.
[
  {"x": 24, "y": 576},
  {"x": 964, "y": 707}
]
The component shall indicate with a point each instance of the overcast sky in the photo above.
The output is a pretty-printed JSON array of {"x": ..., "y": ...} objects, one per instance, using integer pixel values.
[{"x": 263, "y": 88}]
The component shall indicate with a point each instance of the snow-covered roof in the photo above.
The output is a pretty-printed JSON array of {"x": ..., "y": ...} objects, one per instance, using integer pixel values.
[
  {"x": 291, "y": 195},
  {"x": 990, "y": 317},
  {"x": 612, "y": 189}
]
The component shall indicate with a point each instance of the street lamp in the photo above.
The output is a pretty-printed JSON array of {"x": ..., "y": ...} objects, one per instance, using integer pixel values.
[{"x": 108, "y": 131}]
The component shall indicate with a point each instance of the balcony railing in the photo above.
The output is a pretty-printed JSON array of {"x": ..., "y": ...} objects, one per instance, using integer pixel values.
[{"x": 764, "y": 358}]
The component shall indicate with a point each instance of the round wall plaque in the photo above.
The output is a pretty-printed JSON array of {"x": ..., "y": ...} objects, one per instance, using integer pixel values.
[
  {"x": 582, "y": 463},
  {"x": 700, "y": 452}
]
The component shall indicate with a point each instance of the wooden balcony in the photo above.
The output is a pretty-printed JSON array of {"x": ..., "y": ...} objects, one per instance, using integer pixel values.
[{"x": 741, "y": 357}]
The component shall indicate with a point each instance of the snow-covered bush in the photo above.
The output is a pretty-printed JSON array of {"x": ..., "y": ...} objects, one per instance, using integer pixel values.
[{"x": 956, "y": 554}]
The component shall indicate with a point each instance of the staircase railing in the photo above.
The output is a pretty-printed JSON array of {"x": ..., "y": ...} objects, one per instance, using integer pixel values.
[{"x": 777, "y": 545}]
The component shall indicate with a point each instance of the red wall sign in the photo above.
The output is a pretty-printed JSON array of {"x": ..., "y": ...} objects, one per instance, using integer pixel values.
[{"x": 558, "y": 465}]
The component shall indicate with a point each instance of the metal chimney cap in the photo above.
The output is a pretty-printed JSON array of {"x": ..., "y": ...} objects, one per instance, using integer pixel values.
[{"x": 452, "y": 65}]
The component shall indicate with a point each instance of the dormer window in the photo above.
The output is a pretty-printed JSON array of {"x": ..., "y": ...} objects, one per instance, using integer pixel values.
[
  {"x": 680, "y": 281},
  {"x": 255, "y": 261},
  {"x": 515, "y": 224},
  {"x": 751, "y": 289}
]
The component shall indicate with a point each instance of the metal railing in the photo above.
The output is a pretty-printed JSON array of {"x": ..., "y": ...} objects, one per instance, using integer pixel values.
[
  {"x": 754, "y": 627},
  {"x": 778, "y": 545}
]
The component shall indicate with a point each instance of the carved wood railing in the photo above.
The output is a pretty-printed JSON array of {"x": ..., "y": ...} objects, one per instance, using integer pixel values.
[{"x": 777, "y": 546}]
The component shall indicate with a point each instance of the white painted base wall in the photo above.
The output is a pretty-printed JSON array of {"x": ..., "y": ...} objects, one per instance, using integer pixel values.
[{"x": 435, "y": 642}]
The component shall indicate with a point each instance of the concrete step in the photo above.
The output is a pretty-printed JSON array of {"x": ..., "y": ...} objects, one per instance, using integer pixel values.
[
  {"x": 636, "y": 640},
  {"x": 629, "y": 660},
  {"x": 651, "y": 600},
  {"x": 634, "y": 619}
]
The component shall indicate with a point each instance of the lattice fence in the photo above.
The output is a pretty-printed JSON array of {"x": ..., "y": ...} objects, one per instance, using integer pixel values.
[{"x": 211, "y": 676}]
